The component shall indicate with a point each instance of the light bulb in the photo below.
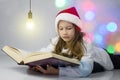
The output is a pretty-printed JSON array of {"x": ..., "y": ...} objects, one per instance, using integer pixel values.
[{"x": 30, "y": 24}]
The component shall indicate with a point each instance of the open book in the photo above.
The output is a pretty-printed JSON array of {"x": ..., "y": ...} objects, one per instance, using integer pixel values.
[{"x": 39, "y": 58}]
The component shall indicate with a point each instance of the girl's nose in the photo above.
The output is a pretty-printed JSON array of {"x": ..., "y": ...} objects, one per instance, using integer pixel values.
[{"x": 64, "y": 31}]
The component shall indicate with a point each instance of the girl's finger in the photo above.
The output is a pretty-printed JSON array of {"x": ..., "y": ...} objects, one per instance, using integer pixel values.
[{"x": 41, "y": 69}]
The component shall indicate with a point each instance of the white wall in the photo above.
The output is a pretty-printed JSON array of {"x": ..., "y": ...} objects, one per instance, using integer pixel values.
[{"x": 13, "y": 17}]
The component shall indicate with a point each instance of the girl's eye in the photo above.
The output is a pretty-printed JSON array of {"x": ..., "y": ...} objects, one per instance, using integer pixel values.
[
  {"x": 60, "y": 28},
  {"x": 69, "y": 28}
]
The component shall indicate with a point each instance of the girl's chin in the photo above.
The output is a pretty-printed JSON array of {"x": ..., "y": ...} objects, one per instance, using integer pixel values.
[{"x": 66, "y": 40}]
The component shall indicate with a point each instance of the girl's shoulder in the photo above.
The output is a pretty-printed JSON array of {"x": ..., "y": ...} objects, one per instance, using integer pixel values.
[{"x": 89, "y": 46}]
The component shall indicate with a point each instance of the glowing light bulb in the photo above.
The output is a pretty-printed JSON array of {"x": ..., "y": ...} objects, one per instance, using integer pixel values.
[{"x": 30, "y": 24}]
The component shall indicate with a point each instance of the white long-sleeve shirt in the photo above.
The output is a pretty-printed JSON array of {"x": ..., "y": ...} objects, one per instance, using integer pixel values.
[{"x": 93, "y": 54}]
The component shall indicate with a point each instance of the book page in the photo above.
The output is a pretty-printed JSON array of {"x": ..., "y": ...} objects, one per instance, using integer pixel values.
[
  {"x": 14, "y": 53},
  {"x": 35, "y": 54},
  {"x": 24, "y": 53},
  {"x": 18, "y": 51},
  {"x": 18, "y": 54}
]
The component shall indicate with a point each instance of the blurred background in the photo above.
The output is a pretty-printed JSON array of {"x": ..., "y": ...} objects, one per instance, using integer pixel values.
[{"x": 29, "y": 24}]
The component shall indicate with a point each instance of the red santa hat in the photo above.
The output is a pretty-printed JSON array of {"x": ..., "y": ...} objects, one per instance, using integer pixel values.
[{"x": 70, "y": 15}]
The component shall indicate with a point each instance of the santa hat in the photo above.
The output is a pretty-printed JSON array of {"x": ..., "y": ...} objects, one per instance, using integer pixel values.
[{"x": 70, "y": 15}]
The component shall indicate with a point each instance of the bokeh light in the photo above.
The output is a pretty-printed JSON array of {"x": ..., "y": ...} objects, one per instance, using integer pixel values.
[
  {"x": 89, "y": 15},
  {"x": 98, "y": 39},
  {"x": 111, "y": 26},
  {"x": 60, "y": 3},
  {"x": 88, "y": 5},
  {"x": 89, "y": 38},
  {"x": 111, "y": 49},
  {"x": 117, "y": 47},
  {"x": 101, "y": 29}
]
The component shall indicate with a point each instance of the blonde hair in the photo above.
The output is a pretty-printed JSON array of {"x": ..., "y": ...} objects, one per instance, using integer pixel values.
[{"x": 77, "y": 47}]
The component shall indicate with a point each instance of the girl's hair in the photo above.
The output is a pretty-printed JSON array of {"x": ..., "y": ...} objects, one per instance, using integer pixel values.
[{"x": 77, "y": 47}]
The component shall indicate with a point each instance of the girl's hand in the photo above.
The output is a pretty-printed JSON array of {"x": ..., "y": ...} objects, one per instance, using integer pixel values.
[
  {"x": 49, "y": 70},
  {"x": 33, "y": 68}
]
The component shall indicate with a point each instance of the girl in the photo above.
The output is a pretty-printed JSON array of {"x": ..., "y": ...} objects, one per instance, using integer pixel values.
[{"x": 70, "y": 41}]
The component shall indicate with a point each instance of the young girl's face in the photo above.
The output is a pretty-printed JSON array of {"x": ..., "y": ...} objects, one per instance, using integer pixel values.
[{"x": 66, "y": 30}]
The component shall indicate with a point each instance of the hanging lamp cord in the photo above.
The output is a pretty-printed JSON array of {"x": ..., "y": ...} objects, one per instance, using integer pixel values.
[
  {"x": 30, "y": 12},
  {"x": 30, "y": 5}
]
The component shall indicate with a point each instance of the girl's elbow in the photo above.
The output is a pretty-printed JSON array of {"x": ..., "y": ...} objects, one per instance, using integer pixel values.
[{"x": 86, "y": 72}]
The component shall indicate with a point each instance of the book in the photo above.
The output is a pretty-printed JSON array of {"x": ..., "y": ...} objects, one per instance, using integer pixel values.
[{"x": 39, "y": 58}]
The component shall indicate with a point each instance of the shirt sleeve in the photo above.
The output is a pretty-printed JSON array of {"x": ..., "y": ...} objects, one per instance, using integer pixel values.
[
  {"x": 84, "y": 69},
  {"x": 48, "y": 48},
  {"x": 100, "y": 56}
]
